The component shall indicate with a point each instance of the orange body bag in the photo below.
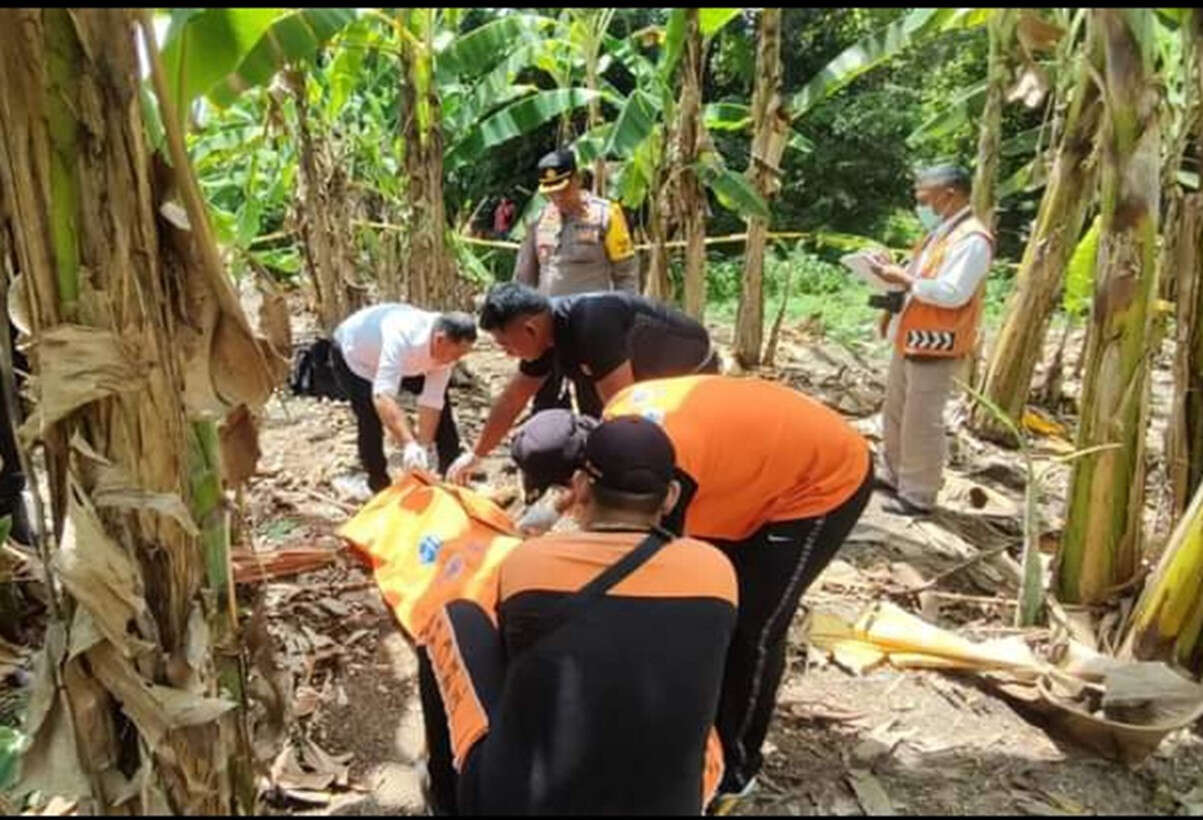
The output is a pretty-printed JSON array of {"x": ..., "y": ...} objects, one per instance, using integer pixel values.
[{"x": 430, "y": 543}]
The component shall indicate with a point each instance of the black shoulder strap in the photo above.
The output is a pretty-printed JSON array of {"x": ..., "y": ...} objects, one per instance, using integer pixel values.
[{"x": 610, "y": 577}]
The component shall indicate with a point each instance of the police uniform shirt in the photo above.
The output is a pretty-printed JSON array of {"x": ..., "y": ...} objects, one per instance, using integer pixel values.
[
  {"x": 386, "y": 342},
  {"x": 578, "y": 253},
  {"x": 596, "y": 332}
]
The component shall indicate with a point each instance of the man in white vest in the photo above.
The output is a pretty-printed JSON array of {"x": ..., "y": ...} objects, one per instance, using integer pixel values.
[
  {"x": 579, "y": 243},
  {"x": 934, "y": 330}
]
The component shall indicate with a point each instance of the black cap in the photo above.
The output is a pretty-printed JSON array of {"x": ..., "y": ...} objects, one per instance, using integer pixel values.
[
  {"x": 550, "y": 447},
  {"x": 555, "y": 170},
  {"x": 630, "y": 454}
]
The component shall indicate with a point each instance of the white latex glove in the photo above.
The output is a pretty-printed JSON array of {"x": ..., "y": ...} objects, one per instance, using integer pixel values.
[
  {"x": 413, "y": 457},
  {"x": 462, "y": 467},
  {"x": 539, "y": 517}
]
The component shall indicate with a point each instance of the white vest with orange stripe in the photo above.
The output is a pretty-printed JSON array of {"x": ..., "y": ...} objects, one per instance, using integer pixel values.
[{"x": 929, "y": 330}]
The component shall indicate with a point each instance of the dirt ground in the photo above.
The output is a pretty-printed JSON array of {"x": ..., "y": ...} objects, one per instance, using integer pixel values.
[{"x": 907, "y": 742}]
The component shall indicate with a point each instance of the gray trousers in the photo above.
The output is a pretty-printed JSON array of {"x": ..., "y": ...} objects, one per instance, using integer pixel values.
[{"x": 913, "y": 425}]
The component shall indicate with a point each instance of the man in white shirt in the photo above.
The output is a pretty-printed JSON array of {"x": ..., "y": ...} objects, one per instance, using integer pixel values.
[
  {"x": 389, "y": 347},
  {"x": 934, "y": 331}
]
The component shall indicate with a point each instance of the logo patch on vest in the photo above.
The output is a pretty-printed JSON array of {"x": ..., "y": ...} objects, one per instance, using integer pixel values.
[
  {"x": 428, "y": 549},
  {"x": 930, "y": 339}
]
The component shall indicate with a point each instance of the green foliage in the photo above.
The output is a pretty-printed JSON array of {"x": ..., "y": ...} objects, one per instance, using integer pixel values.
[
  {"x": 733, "y": 190},
  {"x": 12, "y": 743},
  {"x": 900, "y": 228},
  {"x": 223, "y": 52},
  {"x": 859, "y": 81},
  {"x": 1079, "y": 274},
  {"x": 999, "y": 284},
  {"x": 819, "y": 289},
  {"x": 516, "y": 119}
]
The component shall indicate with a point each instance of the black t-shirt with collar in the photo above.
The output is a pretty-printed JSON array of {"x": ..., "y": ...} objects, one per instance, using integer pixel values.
[{"x": 596, "y": 332}]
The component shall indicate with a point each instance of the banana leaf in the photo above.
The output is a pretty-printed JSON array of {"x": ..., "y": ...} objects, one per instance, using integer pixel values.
[
  {"x": 950, "y": 117},
  {"x": 635, "y": 122},
  {"x": 733, "y": 191},
  {"x": 514, "y": 120},
  {"x": 483, "y": 47},
  {"x": 711, "y": 21},
  {"x": 872, "y": 51},
  {"x": 291, "y": 37},
  {"x": 1079, "y": 273}
]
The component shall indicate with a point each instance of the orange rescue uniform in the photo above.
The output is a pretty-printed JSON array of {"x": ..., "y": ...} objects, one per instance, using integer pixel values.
[{"x": 758, "y": 451}]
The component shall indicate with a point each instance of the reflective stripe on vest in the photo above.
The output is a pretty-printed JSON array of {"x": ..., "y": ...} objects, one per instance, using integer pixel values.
[{"x": 930, "y": 330}]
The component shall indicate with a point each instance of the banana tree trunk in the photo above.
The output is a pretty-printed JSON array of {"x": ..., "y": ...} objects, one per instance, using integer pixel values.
[
  {"x": 656, "y": 283},
  {"x": 1185, "y": 123},
  {"x": 1167, "y": 621},
  {"x": 427, "y": 264},
  {"x": 1101, "y": 544},
  {"x": 768, "y": 146},
  {"x": 599, "y": 24},
  {"x": 1184, "y": 450},
  {"x": 1055, "y": 233},
  {"x": 126, "y": 713},
  {"x": 316, "y": 240},
  {"x": 1001, "y": 31},
  {"x": 690, "y": 199},
  {"x": 1182, "y": 254}
]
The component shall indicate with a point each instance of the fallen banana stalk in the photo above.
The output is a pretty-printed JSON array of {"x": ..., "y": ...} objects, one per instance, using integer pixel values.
[{"x": 1122, "y": 709}]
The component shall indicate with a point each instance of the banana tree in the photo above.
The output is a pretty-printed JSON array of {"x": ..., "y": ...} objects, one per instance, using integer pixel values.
[
  {"x": 459, "y": 100},
  {"x": 215, "y": 56},
  {"x": 661, "y": 154},
  {"x": 1101, "y": 543},
  {"x": 1001, "y": 29},
  {"x": 124, "y": 284},
  {"x": 685, "y": 189},
  {"x": 1167, "y": 621},
  {"x": 768, "y": 147},
  {"x": 1183, "y": 254},
  {"x": 1059, "y": 220}
]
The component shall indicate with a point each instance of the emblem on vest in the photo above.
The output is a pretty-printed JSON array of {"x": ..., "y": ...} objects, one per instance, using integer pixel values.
[
  {"x": 930, "y": 339},
  {"x": 428, "y": 549}
]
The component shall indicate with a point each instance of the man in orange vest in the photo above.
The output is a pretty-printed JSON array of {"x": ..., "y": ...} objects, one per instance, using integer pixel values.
[
  {"x": 933, "y": 332},
  {"x": 771, "y": 477},
  {"x": 590, "y": 684}
]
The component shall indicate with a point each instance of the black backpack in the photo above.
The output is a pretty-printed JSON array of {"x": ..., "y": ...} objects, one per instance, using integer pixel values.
[{"x": 313, "y": 372}]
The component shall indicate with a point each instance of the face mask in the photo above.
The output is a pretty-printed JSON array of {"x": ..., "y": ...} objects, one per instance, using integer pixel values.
[{"x": 927, "y": 216}]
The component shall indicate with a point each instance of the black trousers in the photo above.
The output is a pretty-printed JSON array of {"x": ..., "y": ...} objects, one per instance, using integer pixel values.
[
  {"x": 774, "y": 566},
  {"x": 442, "y": 780},
  {"x": 370, "y": 431}
]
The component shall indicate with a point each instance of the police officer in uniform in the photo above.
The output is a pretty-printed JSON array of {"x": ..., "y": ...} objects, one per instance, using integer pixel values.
[{"x": 579, "y": 243}]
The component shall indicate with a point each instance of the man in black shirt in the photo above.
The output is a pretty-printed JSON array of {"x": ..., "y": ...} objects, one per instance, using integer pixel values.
[{"x": 603, "y": 341}]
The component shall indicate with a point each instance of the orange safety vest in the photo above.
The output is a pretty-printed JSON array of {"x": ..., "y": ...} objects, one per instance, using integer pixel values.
[
  {"x": 430, "y": 543},
  {"x": 930, "y": 330}
]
